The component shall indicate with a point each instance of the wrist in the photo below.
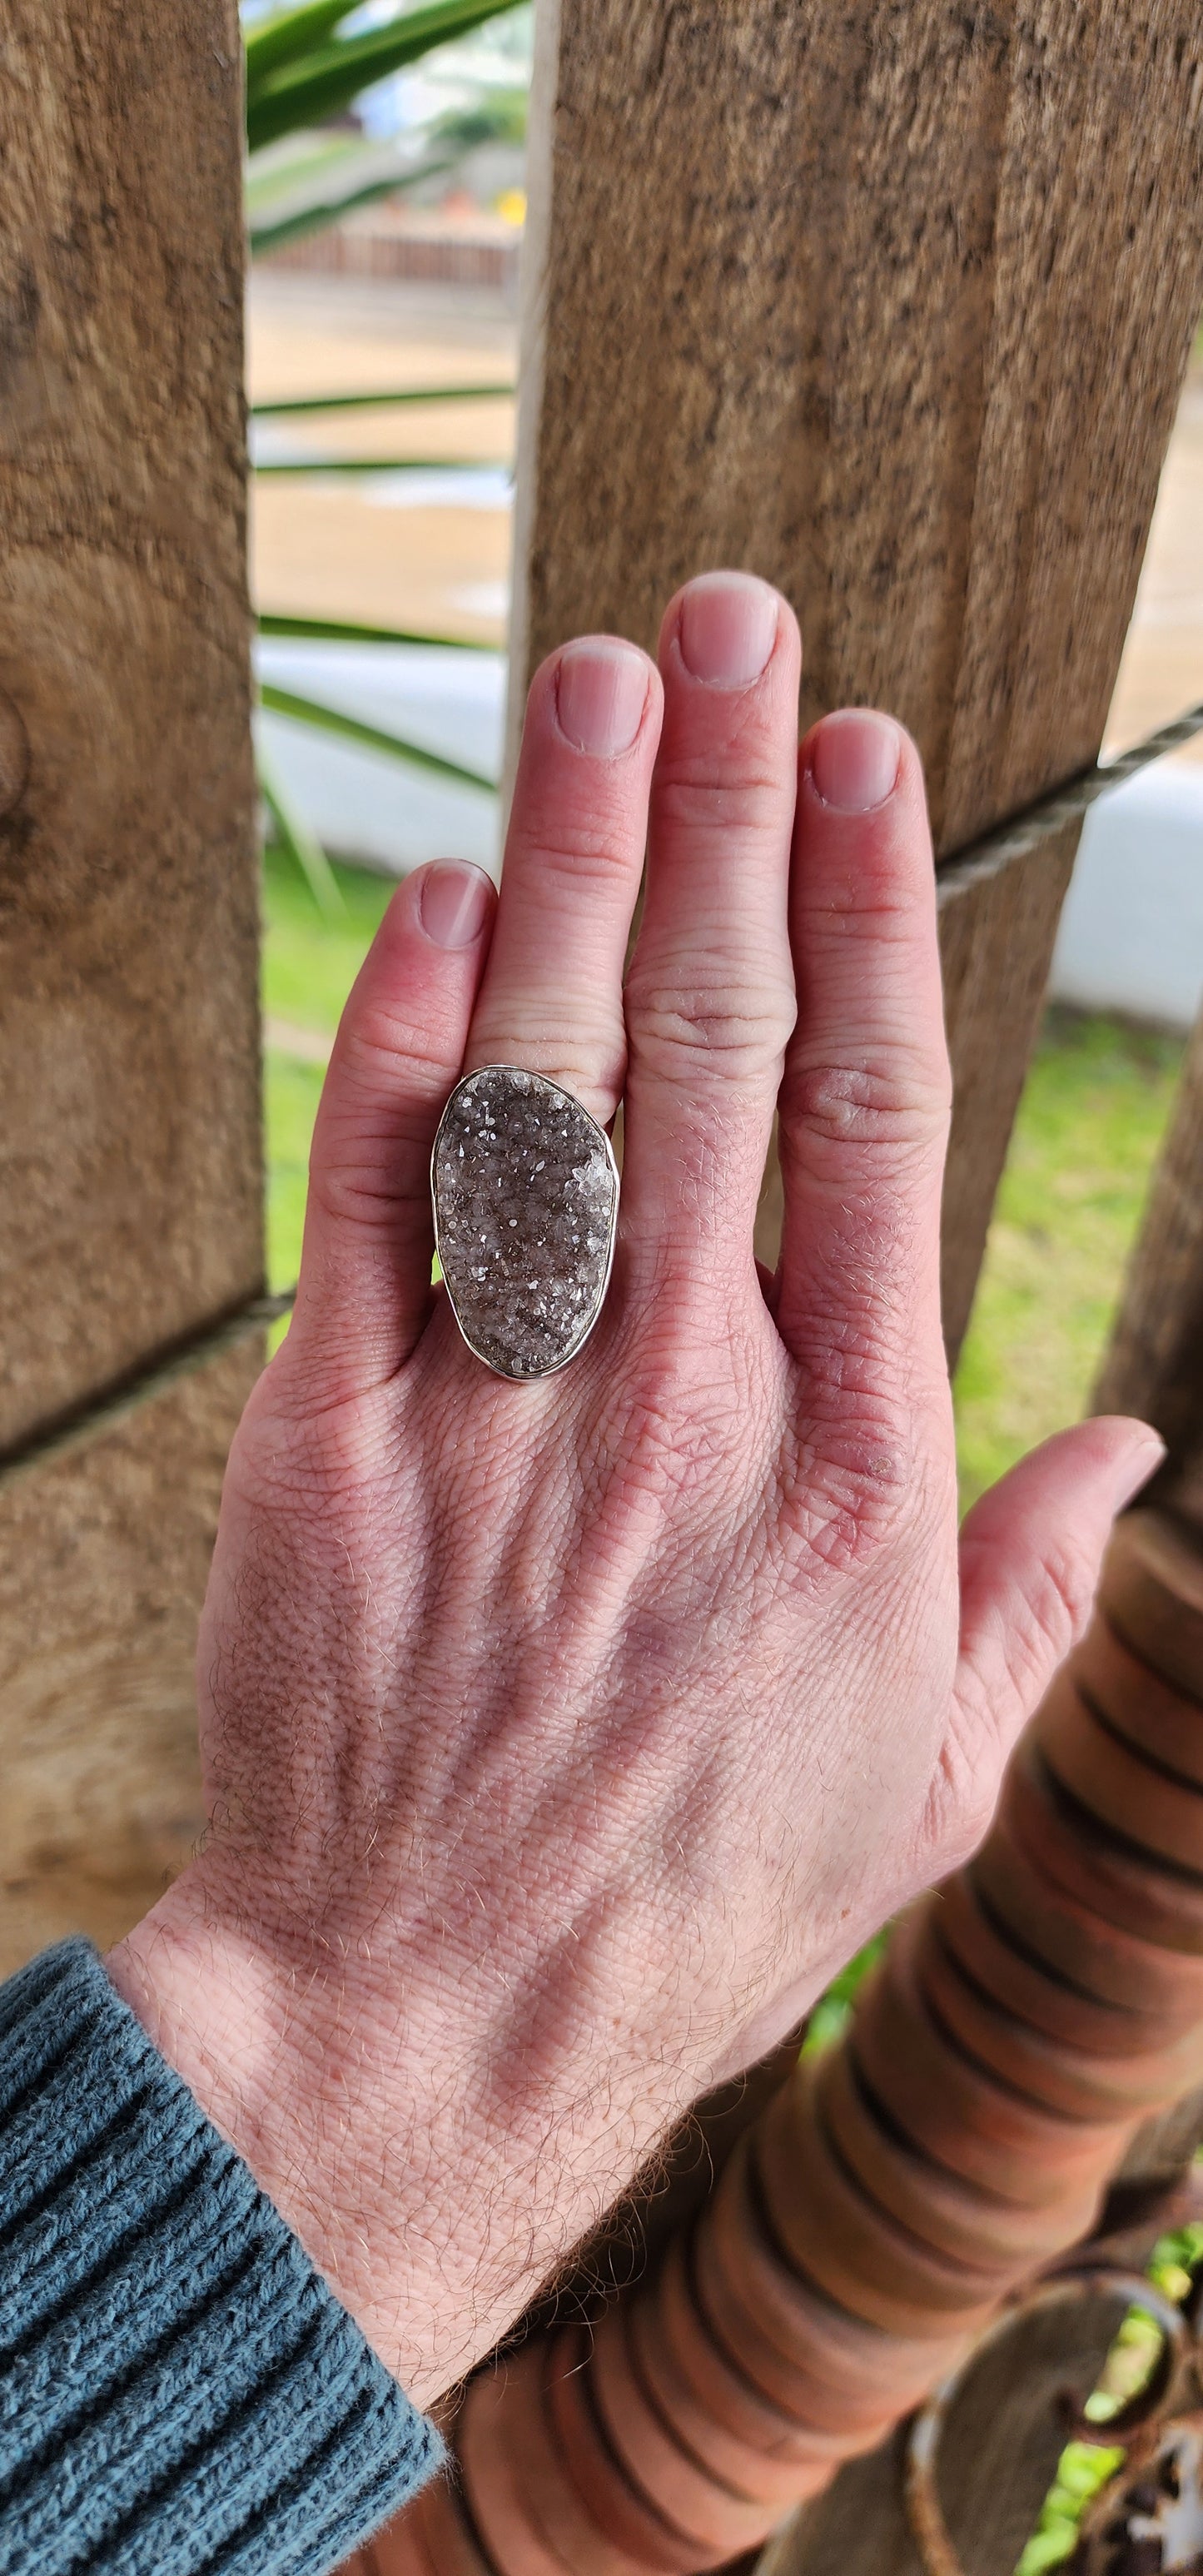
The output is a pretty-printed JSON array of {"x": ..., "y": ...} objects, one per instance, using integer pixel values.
[
  {"x": 269, "y": 2043},
  {"x": 357, "y": 2090}
]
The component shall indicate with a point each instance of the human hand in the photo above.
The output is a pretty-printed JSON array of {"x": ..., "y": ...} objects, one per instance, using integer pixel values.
[{"x": 562, "y": 1739}]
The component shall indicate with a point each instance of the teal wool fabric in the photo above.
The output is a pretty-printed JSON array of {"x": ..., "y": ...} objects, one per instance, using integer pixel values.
[{"x": 180, "y": 2393}]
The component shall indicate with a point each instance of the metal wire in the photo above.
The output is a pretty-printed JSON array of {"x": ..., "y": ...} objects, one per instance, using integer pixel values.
[
  {"x": 1050, "y": 814},
  {"x": 87, "y": 1423}
]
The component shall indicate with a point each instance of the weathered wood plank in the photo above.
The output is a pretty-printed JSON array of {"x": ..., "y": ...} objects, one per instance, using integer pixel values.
[
  {"x": 103, "y": 1560},
  {"x": 1006, "y": 2429},
  {"x": 129, "y": 1163},
  {"x": 129, "y": 1158},
  {"x": 890, "y": 303},
  {"x": 1154, "y": 1366},
  {"x": 997, "y": 934}
]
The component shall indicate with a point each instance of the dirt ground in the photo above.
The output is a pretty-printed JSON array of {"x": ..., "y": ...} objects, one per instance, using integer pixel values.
[{"x": 322, "y": 550}]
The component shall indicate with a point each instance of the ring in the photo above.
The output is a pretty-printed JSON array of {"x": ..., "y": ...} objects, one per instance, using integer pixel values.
[{"x": 524, "y": 1187}]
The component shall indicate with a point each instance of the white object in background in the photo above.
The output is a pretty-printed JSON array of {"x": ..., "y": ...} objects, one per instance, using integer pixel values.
[
  {"x": 364, "y": 805},
  {"x": 1131, "y": 936}
]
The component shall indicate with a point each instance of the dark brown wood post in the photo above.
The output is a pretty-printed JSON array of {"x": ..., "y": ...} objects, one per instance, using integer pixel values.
[
  {"x": 890, "y": 304},
  {"x": 131, "y": 1178},
  {"x": 1155, "y": 1363}
]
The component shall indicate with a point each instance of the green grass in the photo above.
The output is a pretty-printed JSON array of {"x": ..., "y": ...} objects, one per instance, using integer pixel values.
[
  {"x": 290, "y": 1098},
  {"x": 833, "y": 2012},
  {"x": 1088, "y": 1130},
  {"x": 310, "y": 964},
  {"x": 1084, "y": 2467}
]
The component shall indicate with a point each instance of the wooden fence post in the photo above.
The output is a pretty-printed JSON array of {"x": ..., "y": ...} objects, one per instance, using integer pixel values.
[
  {"x": 890, "y": 304},
  {"x": 128, "y": 923},
  {"x": 1155, "y": 1363}
]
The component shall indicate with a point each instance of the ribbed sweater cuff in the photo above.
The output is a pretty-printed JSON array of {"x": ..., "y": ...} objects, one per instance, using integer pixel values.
[{"x": 179, "y": 2390}]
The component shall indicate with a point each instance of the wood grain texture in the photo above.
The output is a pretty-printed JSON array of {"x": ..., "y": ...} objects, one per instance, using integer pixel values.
[
  {"x": 1004, "y": 2434},
  {"x": 1154, "y": 1366},
  {"x": 103, "y": 1561},
  {"x": 1157, "y": 2159},
  {"x": 997, "y": 931},
  {"x": 129, "y": 1163},
  {"x": 889, "y": 302}
]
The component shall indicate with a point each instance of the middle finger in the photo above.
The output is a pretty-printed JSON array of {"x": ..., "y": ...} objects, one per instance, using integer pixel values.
[
  {"x": 710, "y": 993},
  {"x": 551, "y": 999}
]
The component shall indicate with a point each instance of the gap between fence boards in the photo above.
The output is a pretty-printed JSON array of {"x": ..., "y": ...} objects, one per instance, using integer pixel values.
[{"x": 995, "y": 850}]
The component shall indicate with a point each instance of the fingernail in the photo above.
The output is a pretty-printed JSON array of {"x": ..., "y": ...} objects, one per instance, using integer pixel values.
[
  {"x": 454, "y": 902},
  {"x": 727, "y": 628},
  {"x": 1137, "y": 1465},
  {"x": 854, "y": 760},
  {"x": 601, "y": 692}
]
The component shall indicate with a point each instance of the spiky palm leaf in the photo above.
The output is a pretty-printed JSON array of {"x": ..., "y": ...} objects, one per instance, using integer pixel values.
[
  {"x": 298, "y": 73},
  {"x": 313, "y": 711}
]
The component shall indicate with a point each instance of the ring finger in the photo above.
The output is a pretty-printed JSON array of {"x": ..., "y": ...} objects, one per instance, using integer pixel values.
[{"x": 551, "y": 999}]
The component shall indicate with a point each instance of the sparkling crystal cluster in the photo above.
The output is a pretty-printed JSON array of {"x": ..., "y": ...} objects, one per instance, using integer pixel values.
[{"x": 526, "y": 1204}]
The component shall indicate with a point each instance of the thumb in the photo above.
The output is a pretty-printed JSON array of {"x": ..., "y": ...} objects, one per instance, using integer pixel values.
[{"x": 1030, "y": 1555}]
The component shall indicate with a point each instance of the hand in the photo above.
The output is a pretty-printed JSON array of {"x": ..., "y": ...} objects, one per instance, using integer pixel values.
[{"x": 562, "y": 1740}]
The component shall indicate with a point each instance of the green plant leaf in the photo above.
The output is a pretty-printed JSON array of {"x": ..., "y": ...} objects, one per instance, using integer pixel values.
[
  {"x": 296, "y": 838},
  {"x": 303, "y": 161},
  {"x": 265, "y": 237},
  {"x": 289, "y": 34},
  {"x": 285, "y": 702},
  {"x": 318, "y": 83},
  {"x": 382, "y": 465},
  {"x": 380, "y": 401},
  {"x": 337, "y": 630}
]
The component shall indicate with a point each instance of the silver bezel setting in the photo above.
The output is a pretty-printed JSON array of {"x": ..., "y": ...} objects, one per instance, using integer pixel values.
[{"x": 521, "y": 1377}]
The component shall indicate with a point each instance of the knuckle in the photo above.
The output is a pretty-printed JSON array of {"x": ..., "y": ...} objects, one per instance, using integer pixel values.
[
  {"x": 961, "y": 1799},
  {"x": 371, "y": 1180},
  {"x": 1051, "y": 1614},
  {"x": 382, "y": 1049},
  {"x": 567, "y": 855},
  {"x": 588, "y": 1058},
  {"x": 302, "y": 1453},
  {"x": 710, "y": 1027},
  {"x": 361, "y": 1197},
  {"x": 847, "y": 1494},
  {"x": 676, "y": 1423},
  {"x": 744, "y": 779},
  {"x": 899, "y": 1101}
]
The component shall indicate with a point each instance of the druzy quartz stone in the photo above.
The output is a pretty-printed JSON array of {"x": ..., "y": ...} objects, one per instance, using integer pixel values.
[{"x": 525, "y": 1194}]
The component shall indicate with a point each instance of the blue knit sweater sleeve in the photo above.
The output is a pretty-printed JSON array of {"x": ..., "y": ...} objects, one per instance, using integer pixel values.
[{"x": 180, "y": 2393}]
